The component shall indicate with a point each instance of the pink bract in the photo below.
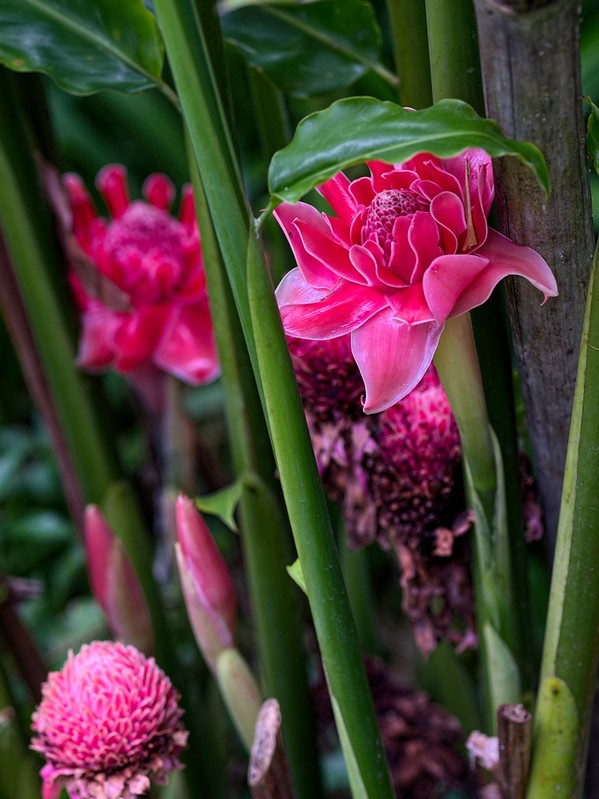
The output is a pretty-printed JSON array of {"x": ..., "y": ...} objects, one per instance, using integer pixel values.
[
  {"x": 142, "y": 294},
  {"x": 409, "y": 248},
  {"x": 108, "y": 724}
]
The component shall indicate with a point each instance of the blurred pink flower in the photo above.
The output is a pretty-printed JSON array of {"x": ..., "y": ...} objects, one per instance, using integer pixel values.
[
  {"x": 142, "y": 288},
  {"x": 207, "y": 585},
  {"x": 409, "y": 248},
  {"x": 114, "y": 583},
  {"x": 108, "y": 724}
]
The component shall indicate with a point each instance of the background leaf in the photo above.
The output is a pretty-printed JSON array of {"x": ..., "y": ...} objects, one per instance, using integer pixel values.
[
  {"x": 307, "y": 49},
  {"x": 83, "y": 46},
  {"x": 359, "y": 129}
]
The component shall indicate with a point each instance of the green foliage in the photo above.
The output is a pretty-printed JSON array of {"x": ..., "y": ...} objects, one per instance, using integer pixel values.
[
  {"x": 308, "y": 49},
  {"x": 83, "y": 46},
  {"x": 374, "y": 130}
]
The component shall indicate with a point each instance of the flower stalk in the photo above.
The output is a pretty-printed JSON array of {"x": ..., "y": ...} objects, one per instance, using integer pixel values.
[{"x": 457, "y": 364}]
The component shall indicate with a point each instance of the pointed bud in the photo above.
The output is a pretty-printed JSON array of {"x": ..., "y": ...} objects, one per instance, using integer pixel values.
[
  {"x": 114, "y": 583},
  {"x": 207, "y": 586}
]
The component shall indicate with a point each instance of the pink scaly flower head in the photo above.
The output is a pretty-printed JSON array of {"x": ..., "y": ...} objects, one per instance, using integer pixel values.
[
  {"x": 207, "y": 585},
  {"x": 108, "y": 725},
  {"x": 114, "y": 583},
  {"x": 409, "y": 248},
  {"x": 142, "y": 288},
  {"x": 414, "y": 468}
]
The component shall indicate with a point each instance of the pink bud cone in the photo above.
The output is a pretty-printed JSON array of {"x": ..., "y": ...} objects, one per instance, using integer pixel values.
[
  {"x": 207, "y": 586},
  {"x": 114, "y": 583}
]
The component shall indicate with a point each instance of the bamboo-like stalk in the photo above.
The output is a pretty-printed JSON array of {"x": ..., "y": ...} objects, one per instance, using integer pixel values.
[{"x": 410, "y": 45}]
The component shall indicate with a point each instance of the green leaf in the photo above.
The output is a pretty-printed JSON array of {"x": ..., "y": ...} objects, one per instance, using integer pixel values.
[
  {"x": 505, "y": 688},
  {"x": 308, "y": 49},
  {"x": 83, "y": 46},
  {"x": 297, "y": 575},
  {"x": 593, "y": 134},
  {"x": 556, "y": 738},
  {"x": 223, "y": 503},
  {"x": 359, "y": 129}
]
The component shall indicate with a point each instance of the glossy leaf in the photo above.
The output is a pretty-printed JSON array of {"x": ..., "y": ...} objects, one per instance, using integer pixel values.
[
  {"x": 83, "y": 46},
  {"x": 307, "y": 49},
  {"x": 359, "y": 129}
]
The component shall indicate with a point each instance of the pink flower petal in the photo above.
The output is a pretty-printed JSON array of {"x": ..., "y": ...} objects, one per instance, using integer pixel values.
[
  {"x": 187, "y": 348},
  {"x": 137, "y": 336},
  {"x": 315, "y": 272},
  {"x": 336, "y": 193},
  {"x": 323, "y": 249},
  {"x": 423, "y": 237},
  {"x": 505, "y": 258},
  {"x": 448, "y": 211},
  {"x": 392, "y": 357},
  {"x": 410, "y": 306},
  {"x": 96, "y": 343},
  {"x": 329, "y": 315},
  {"x": 446, "y": 280}
]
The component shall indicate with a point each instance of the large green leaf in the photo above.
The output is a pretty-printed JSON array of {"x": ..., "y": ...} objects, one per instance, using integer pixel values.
[
  {"x": 358, "y": 129},
  {"x": 83, "y": 46},
  {"x": 308, "y": 49}
]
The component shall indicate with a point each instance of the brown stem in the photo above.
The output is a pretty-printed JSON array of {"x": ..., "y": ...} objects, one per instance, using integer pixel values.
[
  {"x": 19, "y": 328},
  {"x": 531, "y": 77},
  {"x": 514, "y": 730},
  {"x": 268, "y": 774}
]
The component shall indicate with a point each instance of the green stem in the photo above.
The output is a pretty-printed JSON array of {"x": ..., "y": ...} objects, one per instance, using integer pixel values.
[
  {"x": 206, "y": 121},
  {"x": 410, "y": 46},
  {"x": 315, "y": 542},
  {"x": 457, "y": 363},
  {"x": 458, "y": 368},
  {"x": 264, "y": 531},
  {"x": 572, "y": 634},
  {"x": 453, "y": 47}
]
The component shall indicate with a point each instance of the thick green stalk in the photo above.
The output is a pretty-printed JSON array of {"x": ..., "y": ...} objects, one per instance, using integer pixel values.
[
  {"x": 458, "y": 368},
  {"x": 264, "y": 531},
  {"x": 206, "y": 121},
  {"x": 572, "y": 634},
  {"x": 410, "y": 46},
  {"x": 315, "y": 542},
  {"x": 455, "y": 72},
  {"x": 453, "y": 48}
]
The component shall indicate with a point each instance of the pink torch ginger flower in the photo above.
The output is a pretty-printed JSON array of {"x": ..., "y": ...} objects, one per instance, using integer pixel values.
[
  {"x": 143, "y": 297},
  {"x": 108, "y": 724},
  {"x": 409, "y": 248}
]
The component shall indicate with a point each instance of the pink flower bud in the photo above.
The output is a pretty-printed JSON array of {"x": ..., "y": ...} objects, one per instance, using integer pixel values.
[
  {"x": 207, "y": 586},
  {"x": 115, "y": 584}
]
